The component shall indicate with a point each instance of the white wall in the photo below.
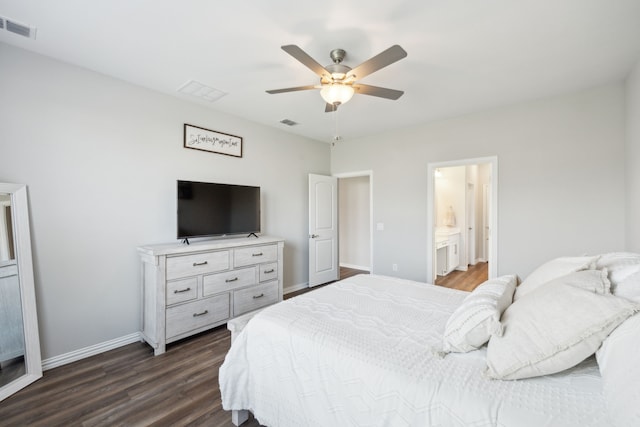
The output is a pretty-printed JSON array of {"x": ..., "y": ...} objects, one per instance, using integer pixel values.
[
  {"x": 101, "y": 158},
  {"x": 449, "y": 193},
  {"x": 354, "y": 221},
  {"x": 632, "y": 158},
  {"x": 561, "y": 178}
]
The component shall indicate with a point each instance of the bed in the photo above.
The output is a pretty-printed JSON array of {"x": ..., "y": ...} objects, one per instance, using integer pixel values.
[{"x": 367, "y": 351}]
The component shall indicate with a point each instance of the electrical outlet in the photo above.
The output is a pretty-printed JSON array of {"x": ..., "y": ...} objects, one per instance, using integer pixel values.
[{"x": 394, "y": 267}]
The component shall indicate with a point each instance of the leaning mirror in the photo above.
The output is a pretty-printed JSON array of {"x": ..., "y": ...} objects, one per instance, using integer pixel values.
[{"x": 20, "y": 360}]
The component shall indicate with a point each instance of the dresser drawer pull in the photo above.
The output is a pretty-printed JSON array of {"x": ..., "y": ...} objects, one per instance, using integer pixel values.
[
  {"x": 231, "y": 280},
  {"x": 200, "y": 314},
  {"x": 258, "y": 254},
  {"x": 179, "y": 291},
  {"x": 258, "y": 296},
  {"x": 195, "y": 264},
  {"x": 269, "y": 271}
]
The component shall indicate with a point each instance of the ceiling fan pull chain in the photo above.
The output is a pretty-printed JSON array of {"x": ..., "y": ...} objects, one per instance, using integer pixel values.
[{"x": 336, "y": 135}]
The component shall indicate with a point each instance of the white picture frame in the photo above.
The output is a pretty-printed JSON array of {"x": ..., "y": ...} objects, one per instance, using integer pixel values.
[{"x": 202, "y": 139}]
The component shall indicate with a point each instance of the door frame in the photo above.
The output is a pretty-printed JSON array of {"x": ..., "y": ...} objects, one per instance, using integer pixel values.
[
  {"x": 356, "y": 174},
  {"x": 493, "y": 253},
  {"x": 471, "y": 217}
]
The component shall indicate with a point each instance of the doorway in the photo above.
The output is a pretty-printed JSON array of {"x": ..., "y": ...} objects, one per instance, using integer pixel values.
[
  {"x": 353, "y": 252},
  {"x": 355, "y": 218},
  {"x": 461, "y": 217}
]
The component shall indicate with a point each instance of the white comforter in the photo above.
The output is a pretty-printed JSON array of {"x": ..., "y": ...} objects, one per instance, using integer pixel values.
[{"x": 363, "y": 352}]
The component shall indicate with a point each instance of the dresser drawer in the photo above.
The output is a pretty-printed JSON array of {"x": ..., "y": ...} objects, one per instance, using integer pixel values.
[
  {"x": 220, "y": 282},
  {"x": 182, "y": 290},
  {"x": 187, "y": 317},
  {"x": 252, "y": 298},
  {"x": 191, "y": 265},
  {"x": 255, "y": 255},
  {"x": 268, "y": 272}
]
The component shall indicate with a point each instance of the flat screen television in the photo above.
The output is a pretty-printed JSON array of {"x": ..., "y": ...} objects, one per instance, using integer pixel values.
[{"x": 210, "y": 209}]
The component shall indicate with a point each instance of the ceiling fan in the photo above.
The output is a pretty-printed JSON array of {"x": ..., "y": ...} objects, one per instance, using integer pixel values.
[{"x": 338, "y": 81}]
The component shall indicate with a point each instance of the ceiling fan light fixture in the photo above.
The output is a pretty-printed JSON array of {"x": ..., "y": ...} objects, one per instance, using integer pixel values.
[{"x": 336, "y": 93}]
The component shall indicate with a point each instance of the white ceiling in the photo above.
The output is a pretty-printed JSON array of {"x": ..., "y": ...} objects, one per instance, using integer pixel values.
[{"x": 463, "y": 55}]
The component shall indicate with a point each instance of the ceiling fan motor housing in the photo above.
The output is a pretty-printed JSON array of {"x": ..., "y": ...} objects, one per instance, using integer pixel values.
[{"x": 338, "y": 73}]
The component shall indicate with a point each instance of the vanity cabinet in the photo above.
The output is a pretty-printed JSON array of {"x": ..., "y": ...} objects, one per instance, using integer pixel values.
[
  {"x": 447, "y": 244},
  {"x": 453, "y": 252},
  {"x": 188, "y": 289}
]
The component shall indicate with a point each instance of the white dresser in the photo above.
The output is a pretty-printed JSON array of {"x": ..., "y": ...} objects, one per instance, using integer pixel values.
[{"x": 188, "y": 289}]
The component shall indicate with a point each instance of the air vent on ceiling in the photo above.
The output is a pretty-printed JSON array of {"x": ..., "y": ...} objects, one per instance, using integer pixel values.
[
  {"x": 18, "y": 28},
  {"x": 201, "y": 91},
  {"x": 288, "y": 122}
]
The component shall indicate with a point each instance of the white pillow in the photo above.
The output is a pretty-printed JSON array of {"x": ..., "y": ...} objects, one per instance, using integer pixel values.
[
  {"x": 473, "y": 322},
  {"x": 624, "y": 273},
  {"x": 590, "y": 280},
  {"x": 629, "y": 288},
  {"x": 553, "y": 269},
  {"x": 620, "y": 370},
  {"x": 552, "y": 329}
]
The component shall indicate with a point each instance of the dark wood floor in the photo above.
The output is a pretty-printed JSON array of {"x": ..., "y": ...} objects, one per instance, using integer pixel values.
[
  {"x": 465, "y": 280},
  {"x": 128, "y": 386}
]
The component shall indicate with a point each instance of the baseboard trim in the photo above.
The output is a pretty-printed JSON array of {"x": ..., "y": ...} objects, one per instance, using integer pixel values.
[
  {"x": 73, "y": 356},
  {"x": 294, "y": 288},
  {"x": 355, "y": 267}
]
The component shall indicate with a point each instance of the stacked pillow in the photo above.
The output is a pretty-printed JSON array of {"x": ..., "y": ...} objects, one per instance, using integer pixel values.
[
  {"x": 556, "y": 326},
  {"x": 618, "y": 356},
  {"x": 562, "y": 313},
  {"x": 552, "y": 270},
  {"x": 478, "y": 317}
]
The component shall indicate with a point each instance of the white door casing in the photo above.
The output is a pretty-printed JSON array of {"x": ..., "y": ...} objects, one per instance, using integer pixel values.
[
  {"x": 491, "y": 229},
  {"x": 486, "y": 220},
  {"x": 323, "y": 229},
  {"x": 471, "y": 224}
]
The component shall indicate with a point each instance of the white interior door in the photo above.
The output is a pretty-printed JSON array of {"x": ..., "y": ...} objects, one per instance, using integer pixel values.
[{"x": 323, "y": 229}]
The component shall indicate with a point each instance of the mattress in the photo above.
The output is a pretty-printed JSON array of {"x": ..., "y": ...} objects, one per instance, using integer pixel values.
[{"x": 365, "y": 351}]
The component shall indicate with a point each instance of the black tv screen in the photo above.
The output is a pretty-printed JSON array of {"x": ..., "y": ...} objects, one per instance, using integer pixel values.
[{"x": 209, "y": 209}]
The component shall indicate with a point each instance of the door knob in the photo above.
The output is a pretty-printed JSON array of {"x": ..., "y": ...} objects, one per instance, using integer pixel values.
[{"x": 313, "y": 236}]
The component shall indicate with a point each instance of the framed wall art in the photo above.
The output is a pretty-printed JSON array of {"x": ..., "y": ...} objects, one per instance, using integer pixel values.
[{"x": 203, "y": 139}]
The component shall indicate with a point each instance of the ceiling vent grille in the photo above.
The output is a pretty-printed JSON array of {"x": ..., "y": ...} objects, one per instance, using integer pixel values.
[
  {"x": 18, "y": 28},
  {"x": 201, "y": 91},
  {"x": 288, "y": 122}
]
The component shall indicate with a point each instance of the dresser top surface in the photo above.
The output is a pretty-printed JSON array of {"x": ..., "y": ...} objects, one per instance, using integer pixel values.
[{"x": 205, "y": 245}]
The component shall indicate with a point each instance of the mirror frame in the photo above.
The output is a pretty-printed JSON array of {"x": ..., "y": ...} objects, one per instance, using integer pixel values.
[{"x": 22, "y": 241}]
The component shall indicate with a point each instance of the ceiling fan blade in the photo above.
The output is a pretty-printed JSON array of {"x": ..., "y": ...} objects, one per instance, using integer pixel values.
[
  {"x": 381, "y": 60},
  {"x": 306, "y": 60},
  {"x": 330, "y": 108},
  {"x": 292, "y": 89},
  {"x": 381, "y": 92}
]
